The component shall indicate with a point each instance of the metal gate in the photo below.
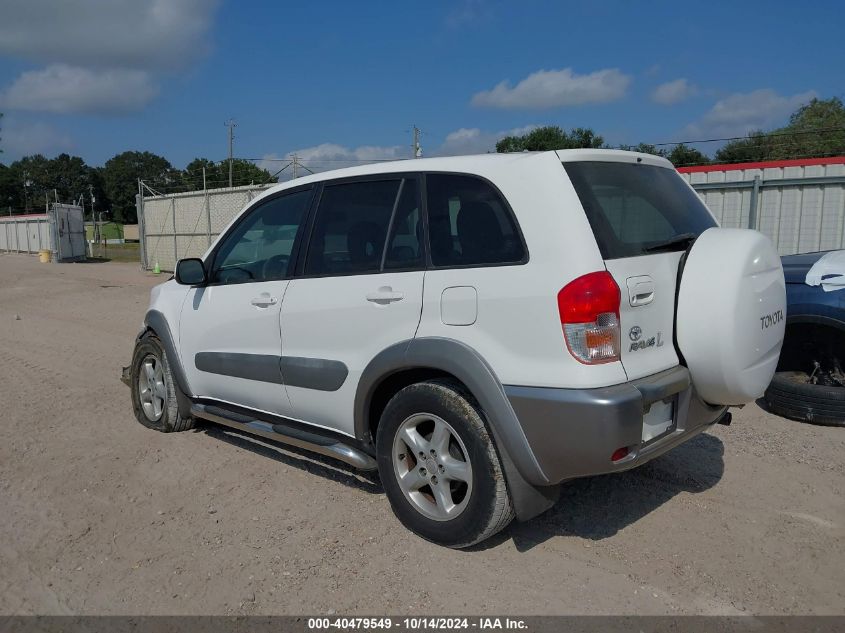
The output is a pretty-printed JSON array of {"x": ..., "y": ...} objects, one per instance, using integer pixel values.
[
  {"x": 69, "y": 229},
  {"x": 68, "y": 232}
]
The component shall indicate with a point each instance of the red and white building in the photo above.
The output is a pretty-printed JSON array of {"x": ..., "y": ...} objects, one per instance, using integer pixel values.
[{"x": 799, "y": 204}]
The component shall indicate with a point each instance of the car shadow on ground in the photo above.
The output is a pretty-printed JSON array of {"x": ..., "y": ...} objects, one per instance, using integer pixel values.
[
  {"x": 764, "y": 406},
  {"x": 593, "y": 508},
  {"x": 596, "y": 508},
  {"x": 295, "y": 457}
]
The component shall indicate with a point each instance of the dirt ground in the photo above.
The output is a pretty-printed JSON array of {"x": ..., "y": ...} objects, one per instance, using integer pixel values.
[{"x": 99, "y": 515}]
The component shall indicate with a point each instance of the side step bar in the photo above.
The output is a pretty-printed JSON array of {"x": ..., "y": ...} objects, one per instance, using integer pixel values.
[{"x": 287, "y": 434}]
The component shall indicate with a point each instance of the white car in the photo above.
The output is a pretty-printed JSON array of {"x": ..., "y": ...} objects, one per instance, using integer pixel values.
[{"x": 479, "y": 329}]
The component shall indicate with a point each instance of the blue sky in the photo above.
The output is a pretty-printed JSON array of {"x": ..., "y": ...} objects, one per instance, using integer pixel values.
[{"x": 345, "y": 81}]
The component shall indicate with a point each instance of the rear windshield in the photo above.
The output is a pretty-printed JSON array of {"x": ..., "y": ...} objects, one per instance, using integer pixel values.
[{"x": 637, "y": 209}]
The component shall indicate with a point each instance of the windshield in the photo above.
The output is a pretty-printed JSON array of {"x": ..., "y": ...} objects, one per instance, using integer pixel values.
[{"x": 637, "y": 209}]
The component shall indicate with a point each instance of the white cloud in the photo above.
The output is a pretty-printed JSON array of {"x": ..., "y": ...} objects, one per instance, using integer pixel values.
[
  {"x": 555, "y": 88},
  {"x": 467, "y": 141},
  {"x": 142, "y": 34},
  {"x": 102, "y": 56},
  {"x": 331, "y": 152},
  {"x": 467, "y": 12},
  {"x": 740, "y": 113},
  {"x": 475, "y": 141},
  {"x": 62, "y": 89},
  {"x": 21, "y": 138},
  {"x": 327, "y": 156},
  {"x": 673, "y": 92}
]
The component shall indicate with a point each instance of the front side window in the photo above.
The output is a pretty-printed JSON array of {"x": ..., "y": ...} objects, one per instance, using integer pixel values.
[
  {"x": 469, "y": 223},
  {"x": 259, "y": 248},
  {"x": 351, "y": 227}
]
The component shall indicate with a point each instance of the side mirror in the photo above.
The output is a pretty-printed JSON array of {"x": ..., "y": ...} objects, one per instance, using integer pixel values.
[{"x": 190, "y": 272}]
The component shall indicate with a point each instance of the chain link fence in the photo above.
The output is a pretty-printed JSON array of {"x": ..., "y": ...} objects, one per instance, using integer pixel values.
[
  {"x": 801, "y": 208},
  {"x": 180, "y": 225}
]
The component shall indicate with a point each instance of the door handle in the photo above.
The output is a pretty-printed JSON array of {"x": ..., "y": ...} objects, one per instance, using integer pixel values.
[
  {"x": 642, "y": 294},
  {"x": 640, "y": 290},
  {"x": 384, "y": 296},
  {"x": 263, "y": 301}
]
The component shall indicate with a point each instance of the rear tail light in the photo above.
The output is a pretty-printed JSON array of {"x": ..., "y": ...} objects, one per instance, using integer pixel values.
[{"x": 589, "y": 314}]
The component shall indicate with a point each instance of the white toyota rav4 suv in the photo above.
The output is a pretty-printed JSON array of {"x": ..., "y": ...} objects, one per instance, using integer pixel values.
[{"x": 479, "y": 328}]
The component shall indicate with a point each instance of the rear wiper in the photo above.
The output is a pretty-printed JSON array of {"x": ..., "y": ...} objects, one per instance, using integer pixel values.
[{"x": 683, "y": 240}]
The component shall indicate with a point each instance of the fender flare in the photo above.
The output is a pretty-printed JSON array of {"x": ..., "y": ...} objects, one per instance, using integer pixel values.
[
  {"x": 156, "y": 323},
  {"x": 530, "y": 488}
]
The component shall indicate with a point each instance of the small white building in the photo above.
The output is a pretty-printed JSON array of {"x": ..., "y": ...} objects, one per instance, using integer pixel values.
[{"x": 59, "y": 230}]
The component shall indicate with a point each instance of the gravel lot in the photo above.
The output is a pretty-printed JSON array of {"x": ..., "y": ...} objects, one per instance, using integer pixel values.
[{"x": 99, "y": 515}]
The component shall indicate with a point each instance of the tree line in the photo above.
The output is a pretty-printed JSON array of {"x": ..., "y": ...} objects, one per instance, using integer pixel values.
[
  {"x": 815, "y": 129},
  {"x": 27, "y": 184}
]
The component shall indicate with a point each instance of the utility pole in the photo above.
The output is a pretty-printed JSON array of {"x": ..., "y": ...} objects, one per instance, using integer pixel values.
[
  {"x": 295, "y": 165},
  {"x": 231, "y": 125},
  {"x": 416, "y": 146},
  {"x": 93, "y": 200}
]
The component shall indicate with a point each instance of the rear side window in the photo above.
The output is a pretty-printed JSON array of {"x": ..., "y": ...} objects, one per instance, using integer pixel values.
[
  {"x": 351, "y": 228},
  {"x": 469, "y": 223},
  {"x": 404, "y": 249},
  {"x": 637, "y": 209}
]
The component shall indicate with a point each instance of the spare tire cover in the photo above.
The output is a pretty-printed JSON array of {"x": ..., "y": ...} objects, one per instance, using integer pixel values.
[{"x": 731, "y": 314}]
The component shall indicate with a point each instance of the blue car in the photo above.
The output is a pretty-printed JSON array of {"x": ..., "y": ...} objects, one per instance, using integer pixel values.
[{"x": 809, "y": 384}]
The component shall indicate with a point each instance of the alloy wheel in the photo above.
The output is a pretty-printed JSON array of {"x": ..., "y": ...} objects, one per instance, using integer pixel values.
[
  {"x": 152, "y": 389},
  {"x": 432, "y": 466}
]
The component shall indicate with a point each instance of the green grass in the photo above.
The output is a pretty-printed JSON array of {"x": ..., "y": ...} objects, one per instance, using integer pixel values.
[
  {"x": 130, "y": 252},
  {"x": 108, "y": 231}
]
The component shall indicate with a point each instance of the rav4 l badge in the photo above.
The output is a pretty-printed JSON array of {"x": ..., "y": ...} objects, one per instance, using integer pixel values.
[{"x": 635, "y": 334}]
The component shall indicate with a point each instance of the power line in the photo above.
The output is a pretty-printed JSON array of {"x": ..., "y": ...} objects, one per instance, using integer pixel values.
[
  {"x": 751, "y": 136},
  {"x": 323, "y": 160}
]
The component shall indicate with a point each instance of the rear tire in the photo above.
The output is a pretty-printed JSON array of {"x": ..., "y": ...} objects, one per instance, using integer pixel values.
[
  {"x": 154, "y": 390},
  {"x": 439, "y": 466},
  {"x": 792, "y": 396}
]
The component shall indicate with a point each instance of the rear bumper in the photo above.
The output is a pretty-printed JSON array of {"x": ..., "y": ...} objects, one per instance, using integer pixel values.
[{"x": 573, "y": 432}]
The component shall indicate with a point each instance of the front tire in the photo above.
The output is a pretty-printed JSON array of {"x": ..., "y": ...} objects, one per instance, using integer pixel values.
[
  {"x": 439, "y": 466},
  {"x": 154, "y": 390}
]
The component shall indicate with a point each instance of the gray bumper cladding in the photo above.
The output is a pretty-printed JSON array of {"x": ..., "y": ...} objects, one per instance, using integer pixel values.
[{"x": 574, "y": 432}]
